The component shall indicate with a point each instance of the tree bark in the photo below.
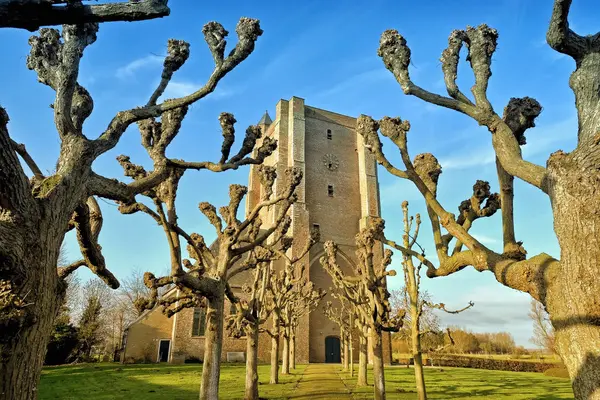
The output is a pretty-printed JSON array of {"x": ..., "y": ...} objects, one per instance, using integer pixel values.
[
  {"x": 378, "y": 372},
  {"x": 293, "y": 351},
  {"x": 275, "y": 352},
  {"x": 251, "y": 363},
  {"x": 345, "y": 353},
  {"x": 23, "y": 348},
  {"x": 285, "y": 362},
  {"x": 417, "y": 355},
  {"x": 362, "y": 361},
  {"x": 351, "y": 356},
  {"x": 571, "y": 296},
  {"x": 213, "y": 343}
]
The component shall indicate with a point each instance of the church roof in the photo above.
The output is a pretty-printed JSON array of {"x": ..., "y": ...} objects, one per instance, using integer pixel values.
[{"x": 265, "y": 120}]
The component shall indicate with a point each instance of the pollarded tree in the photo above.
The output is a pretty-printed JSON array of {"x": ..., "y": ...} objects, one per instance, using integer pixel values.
[
  {"x": 343, "y": 318},
  {"x": 367, "y": 289},
  {"x": 282, "y": 290},
  {"x": 251, "y": 314},
  {"x": 37, "y": 211},
  {"x": 416, "y": 304},
  {"x": 305, "y": 299},
  {"x": 567, "y": 287},
  {"x": 206, "y": 280},
  {"x": 260, "y": 302}
]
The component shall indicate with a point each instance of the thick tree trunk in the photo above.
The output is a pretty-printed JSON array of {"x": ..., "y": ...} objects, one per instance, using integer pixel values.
[
  {"x": 251, "y": 363},
  {"x": 362, "y": 361},
  {"x": 378, "y": 373},
  {"x": 572, "y": 297},
  {"x": 24, "y": 332},
  {"x": 285, "y": 362},
  {"x": 213, "y": 343},
  {"x": 293, "y": 351},
  {"x": 275, "y": 352}
]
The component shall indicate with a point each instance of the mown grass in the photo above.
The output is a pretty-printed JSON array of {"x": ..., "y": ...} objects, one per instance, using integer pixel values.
[
  {"x": 152, "y": 382},
  {"x": 466, "y": 383},
  {"x": 181, "y": 382}
]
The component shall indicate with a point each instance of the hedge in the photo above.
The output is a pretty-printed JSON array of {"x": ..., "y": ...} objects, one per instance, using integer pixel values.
[{"x": 488, "y": 363}]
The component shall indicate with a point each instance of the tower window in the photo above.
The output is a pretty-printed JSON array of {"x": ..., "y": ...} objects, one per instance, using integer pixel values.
[
  {"x": 317, "y": 227},
  {"x": 329, "y": 134},
  {"x": 330, "y": 190}
]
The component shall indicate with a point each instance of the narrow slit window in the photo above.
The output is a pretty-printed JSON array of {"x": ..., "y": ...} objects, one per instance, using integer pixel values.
[
  {"x": 330, "y": 190},
  {"x": 317, "y": 227},
  {"x": 329, "y": 136}
]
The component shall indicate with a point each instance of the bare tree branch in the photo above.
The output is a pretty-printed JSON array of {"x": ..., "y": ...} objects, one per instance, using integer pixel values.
[
  {"x": 33, "y": 14},
  {"x": 560, "y": 37}
]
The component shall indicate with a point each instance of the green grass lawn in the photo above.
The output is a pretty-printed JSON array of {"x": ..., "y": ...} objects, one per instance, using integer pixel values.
[
  {"x": 181, "y": 382},
  {"x": 152, "y": 382},
  {"x": 465, "y": 383}
]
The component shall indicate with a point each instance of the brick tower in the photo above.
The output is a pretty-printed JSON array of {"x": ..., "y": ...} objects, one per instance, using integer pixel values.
[{"x": 338, "y": 194}]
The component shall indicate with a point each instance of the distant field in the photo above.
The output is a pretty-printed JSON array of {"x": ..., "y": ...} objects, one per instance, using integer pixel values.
[{"x": 181, "y": 382}]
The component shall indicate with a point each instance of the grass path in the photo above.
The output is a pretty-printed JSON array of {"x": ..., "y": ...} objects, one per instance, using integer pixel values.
[{"x": 321, "y": 381}]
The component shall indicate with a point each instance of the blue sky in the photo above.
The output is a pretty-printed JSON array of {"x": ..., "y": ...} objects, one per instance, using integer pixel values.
[{"x": 326, "y": 53}]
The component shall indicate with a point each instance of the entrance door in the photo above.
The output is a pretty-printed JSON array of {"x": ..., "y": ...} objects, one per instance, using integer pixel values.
[
  {"x": 163, "y": 350},
  {"x": 332, "y": 350}
]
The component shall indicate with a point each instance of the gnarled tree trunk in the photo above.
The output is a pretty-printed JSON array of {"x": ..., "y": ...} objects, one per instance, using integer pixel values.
[
  {"x": 24, "y": 335},
  {"x": 213, "y": 343},
  {"x": 251, "y": 392},
  {"x": 572, "y": 297},
  {"x": 378, "y": 372}
]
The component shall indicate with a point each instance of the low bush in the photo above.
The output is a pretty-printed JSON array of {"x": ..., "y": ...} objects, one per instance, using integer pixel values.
[{"x": 493, "y": 364}]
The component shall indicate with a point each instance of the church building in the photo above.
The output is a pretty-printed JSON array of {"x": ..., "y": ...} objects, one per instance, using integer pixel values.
[{"x": 337, "y": 196}]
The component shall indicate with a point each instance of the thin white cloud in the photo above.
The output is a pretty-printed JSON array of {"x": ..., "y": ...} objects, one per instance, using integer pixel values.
[
  {"x": 541, "y": 141},
  {"x": 183, "y": 88},
  {"x": 497, "y": 308},
  {"x": 356, "y": 81},
  {"x": 485, "y": 239},
  {"x": 476, "y": 158},
  {"x": 130, "y": 69}
]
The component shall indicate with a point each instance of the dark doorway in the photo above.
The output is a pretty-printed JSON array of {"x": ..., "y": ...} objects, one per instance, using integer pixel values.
[
  {"x": 332, "y": 350},
  {"x": 163, "y": 350}
]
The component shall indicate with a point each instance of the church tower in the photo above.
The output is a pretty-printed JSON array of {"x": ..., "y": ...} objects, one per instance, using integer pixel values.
[{"x": 338, "y": 194}]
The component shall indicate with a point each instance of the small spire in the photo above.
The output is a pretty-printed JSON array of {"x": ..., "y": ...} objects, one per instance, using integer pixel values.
[{"x": 265, "y": 120}]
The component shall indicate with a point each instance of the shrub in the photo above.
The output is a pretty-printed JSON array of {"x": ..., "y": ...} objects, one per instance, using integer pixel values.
[{"x": 62, "y": 344}]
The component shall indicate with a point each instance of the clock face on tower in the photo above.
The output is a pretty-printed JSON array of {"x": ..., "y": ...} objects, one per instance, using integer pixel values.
[{"x": 331, "y": 162}]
